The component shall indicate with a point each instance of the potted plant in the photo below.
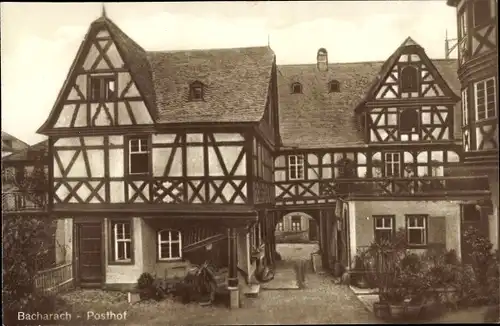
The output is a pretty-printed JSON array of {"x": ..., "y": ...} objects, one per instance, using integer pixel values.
[
  {"x": 145, "y": 286},
  {"x": 359, "y": 270},
  {"x": 395, "y": 298}
]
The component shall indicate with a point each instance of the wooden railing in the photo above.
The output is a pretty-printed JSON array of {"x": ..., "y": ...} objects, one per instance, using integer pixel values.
[
  {"x": 24, "y": 201},
  {"x": 56, "y": 279}
]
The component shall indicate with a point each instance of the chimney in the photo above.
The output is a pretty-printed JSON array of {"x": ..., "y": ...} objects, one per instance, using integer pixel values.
[{"x": 322, "y": 60}]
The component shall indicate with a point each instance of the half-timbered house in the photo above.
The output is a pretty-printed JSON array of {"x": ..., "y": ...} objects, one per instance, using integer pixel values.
[
  {"x": 163, "y": 158},
  {"x": 159, "y": 159},
  {"x": 380, "y": 136},
  {"x": 477, "y": 35}
]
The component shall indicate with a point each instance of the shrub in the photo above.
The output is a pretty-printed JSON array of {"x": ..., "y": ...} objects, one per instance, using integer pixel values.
[
  {"x": 23, "y": 237},
  {"x": 150, "y": 287}
]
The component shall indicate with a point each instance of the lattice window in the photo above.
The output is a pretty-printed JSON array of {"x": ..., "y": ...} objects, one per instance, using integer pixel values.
[
  {"x": 122, "y": 241},
  {"x": 392, "y": 164},
  {"x": 465, "y": 107},
  {"x": 485, "y": 96},
  {"x": 384, "y": 228},
  {"x": 138, "y": 155},
  {"x": 482, "y": 12},
  {"x": 296, "y": 167},
  {"x": 416, "y": 230},
  {"x": 280, "y": 226},
  {"x": 409, "y": 79},
  {"x": 296, "y": 88},
  {"x": 169, "y": 245},
  {"x": 102, "y": 88},
  {"x": 296, "y": 223}
]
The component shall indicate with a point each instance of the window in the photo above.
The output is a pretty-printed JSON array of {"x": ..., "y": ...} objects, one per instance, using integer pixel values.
[
  {"x": 347, "y": 168},
  {"x": 296, "y": 223},
  {"x": 138, "y": 155},
  {"x": 416, "y": 230},
  {"x": 102, "y": 88},
  {"x": 7, "y": 143},
  {"x": 485, "y": 94},
  {"x": 122, "y": 241},
  {"x": 280, "y": 226},
  {"x": 296, "y": 88},
  {"x": 462, "y": 25},
  {"x": 295, "y": 167},
  {"x": 409, "y": 78},
  {"x": 384, "y": 228},
  {"x": 334, "y": 86},
  {"x": 482, "y": 12},
  {"x": 408, "y": 122},
  {"x": 465, "y": 107},
  {"x": 196, "y": 91},
  {"x": 392, "y": 165},
  {"x": 169, "y": 245}
]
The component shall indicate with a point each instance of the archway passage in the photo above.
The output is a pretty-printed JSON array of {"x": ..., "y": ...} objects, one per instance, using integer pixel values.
[{"x": 297, "y": 235}]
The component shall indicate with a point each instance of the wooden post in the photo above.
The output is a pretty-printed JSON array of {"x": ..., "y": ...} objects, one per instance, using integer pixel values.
[{"x": 232, "y": 282}]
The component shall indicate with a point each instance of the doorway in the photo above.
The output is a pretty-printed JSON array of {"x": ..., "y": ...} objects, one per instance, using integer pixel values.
[{"x": 89, "y": 254}]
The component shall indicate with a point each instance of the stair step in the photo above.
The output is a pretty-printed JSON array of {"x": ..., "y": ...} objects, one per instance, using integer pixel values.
[{"x": 252, "y": 290}]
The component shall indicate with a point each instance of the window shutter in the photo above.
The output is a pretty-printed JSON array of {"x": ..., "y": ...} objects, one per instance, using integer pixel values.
[{"x": 437, "y": 232}]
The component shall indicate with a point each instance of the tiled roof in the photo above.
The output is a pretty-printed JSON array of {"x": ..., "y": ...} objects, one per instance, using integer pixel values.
[
  {"x": 317, "y": 118},
  {"x": 236, "y": 83},
  {"x": 15, "y": 143},
  {"x": 24, "y": 154}
]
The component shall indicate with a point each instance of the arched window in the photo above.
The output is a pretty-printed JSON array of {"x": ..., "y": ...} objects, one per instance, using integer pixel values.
[
  {"x": 408, "y": 121},
  {"x": 169, "y": 245},
  {"x": 334, "y": 86},
  {"x": 296, "y": 88},
  {"x": 196, "y": 91},
  {"x": 409, "y": 79}
]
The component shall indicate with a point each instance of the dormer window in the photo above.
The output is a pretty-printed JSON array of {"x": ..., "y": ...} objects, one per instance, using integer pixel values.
[
  {"x": 409, "y": 79},
  {"x": 296, "y": 88},
  {"x": 102, "y": 88},
  {"x": 196, "y": 91},
  {"x": 334, "y": 86}
]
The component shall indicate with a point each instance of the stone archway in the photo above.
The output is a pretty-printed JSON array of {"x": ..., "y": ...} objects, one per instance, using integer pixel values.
[{"x": 293, "y": 233}]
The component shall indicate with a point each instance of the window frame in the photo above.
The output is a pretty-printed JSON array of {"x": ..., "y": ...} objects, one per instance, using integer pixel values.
[
  {"x": 404, "y": 86},
  {"x": 417, "y": 126},
  {"x": 485, "y": 103},
  {"x": 113, "y": 242},
  {"x": 334, "y": 84},
  {"x": 392, "y": 228},
  {"x": 474, "y": 17},
  {"x": 392, "y": 163},
  {"x": 280, "y": 226},
  {"x": 462, "y": 24},
  {"x": 465, "y": 107},
  {"x": 297, "y": 167},
  {"x": 103, "y": 89},
  {"x": 159, "y": 242},
  {"x": 147, "y": 152},
  {"x": 294, "y": 221},
  {"x": 296, "y": 84},
  {"x": 424, "y": 229}
]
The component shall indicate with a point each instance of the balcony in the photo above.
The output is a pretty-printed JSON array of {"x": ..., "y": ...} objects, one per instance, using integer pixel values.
[
  {"x": 434, "y": 187},
  {"x": 24, "y": 202}
]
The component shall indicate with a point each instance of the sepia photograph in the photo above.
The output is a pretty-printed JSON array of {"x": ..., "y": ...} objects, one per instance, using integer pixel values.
[{"x": 250, "y": 162}]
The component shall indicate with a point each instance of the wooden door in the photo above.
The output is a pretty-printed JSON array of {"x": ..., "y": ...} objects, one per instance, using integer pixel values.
[{"x": 89, "y": 254}]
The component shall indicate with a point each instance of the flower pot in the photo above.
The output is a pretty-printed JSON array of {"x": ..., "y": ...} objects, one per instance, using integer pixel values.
[
  {"x": 412, "y": 311},
  {"x": 381, "y": 310},
  {"x": 397, "y": 310},
  {"x": 361, "y": 282}
]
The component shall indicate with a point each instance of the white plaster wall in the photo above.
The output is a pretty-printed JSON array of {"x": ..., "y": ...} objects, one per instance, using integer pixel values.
[
  {"x": 352, "y": 229},
  {"x": 243, "y": 247},
  {"x": 64, "y": 241},
  {"x": 126, "y": 274}
]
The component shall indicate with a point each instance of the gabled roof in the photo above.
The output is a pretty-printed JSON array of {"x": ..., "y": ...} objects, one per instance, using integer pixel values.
[
  {"x": 317, "y": 118},
  {"x": 236, "y": 82},
  {"x": 25, "y": 154}
]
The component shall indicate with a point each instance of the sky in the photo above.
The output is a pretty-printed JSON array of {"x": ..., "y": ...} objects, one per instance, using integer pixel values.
[{"x": 40, "y": 40}]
